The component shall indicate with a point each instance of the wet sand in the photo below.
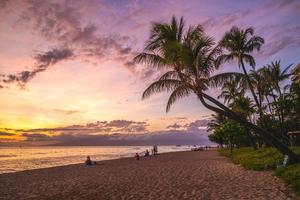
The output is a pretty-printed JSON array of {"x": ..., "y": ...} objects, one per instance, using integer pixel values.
[{"x": 181, "y": 175}]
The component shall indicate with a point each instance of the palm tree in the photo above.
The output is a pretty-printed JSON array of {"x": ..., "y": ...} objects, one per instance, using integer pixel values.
[
  {"x": 232, "y": 88},
  {"x": 216, "y": 122},
  {"x": 240, "y": 44},
  {"x": 244, "y": 107},
  {"x": 190, "y": 58},
  {"x": 261, "y": 82},
  {"x": 214, "y": 125},
  {"x": 276, "y": 75},
  {"x": 267, "y": 82}
]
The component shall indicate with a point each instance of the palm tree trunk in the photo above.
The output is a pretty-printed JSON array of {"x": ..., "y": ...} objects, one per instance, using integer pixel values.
[
  {"x": 280, "y": 116},
  {"x": 281, "y": 147},
  {"x": 249, "y": 83},
  {"x": 265, "y": 125},
  {"x": 269, "y": 105}
]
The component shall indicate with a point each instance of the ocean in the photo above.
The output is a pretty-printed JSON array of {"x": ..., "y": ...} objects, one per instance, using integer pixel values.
[{"x": 13, "y": 159}]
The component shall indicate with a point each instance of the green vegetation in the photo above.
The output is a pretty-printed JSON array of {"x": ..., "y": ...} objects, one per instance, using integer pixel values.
[
  {"x": 291, "y": 175},
  {"x": 259, "y": 107},
  {"x": 266, "y": 159}
]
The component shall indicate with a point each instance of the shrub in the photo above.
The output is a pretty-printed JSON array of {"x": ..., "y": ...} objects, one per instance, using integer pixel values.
[{"x": 266, "y": 159}]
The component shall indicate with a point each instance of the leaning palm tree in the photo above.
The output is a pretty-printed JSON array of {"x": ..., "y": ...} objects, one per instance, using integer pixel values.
[
  {"x": 189, "y": 59},
  {"x": 239, "y": 44}
]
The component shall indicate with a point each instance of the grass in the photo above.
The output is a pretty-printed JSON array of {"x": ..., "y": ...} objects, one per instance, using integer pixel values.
[{"x": 266, "y": 159}]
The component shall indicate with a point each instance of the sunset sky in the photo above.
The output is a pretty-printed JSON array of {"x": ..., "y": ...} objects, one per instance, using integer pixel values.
[{"x": 66, "y": 66}]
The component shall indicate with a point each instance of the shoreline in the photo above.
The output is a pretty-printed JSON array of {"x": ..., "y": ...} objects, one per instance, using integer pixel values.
[
  {"x": 15, "y": 160},
  {"x": 172, "y": 175},
  {"x": 99, "y": 162}
]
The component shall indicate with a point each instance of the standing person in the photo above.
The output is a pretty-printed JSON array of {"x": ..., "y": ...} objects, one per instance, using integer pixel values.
[
  {"x": 147, "y": 153},
  {"x": 155, "y": 149}
]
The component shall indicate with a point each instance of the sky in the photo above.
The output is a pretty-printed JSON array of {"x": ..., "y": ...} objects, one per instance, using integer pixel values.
[{"x": 66, "y": 69}]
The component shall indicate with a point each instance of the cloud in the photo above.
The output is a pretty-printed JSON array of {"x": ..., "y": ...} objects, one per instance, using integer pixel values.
[
  {"x": 6, "y": 134},
  {"x": 36, "y": 137},
  {"x": 225, "y": 21},
  {"x": 158, "y": 138},
  {"x": 197, "y": 125},
  {"x": 103, "y": 127},
  {"x": 64, "y": 23},
  {"x": 117, "y": 132},
  {"x": 281, "y": 39},
  {"x": 43, "y": 61},
  {"x": 3, "y": 3},
  {"x": 174, "y": 126},
  {"x": 67, "y": 112}
]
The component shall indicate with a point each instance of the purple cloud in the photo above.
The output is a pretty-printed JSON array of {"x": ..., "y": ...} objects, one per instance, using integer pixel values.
[
  {"x": 197, "y": 125},
  {"x": 63, "y": 23},
  {"x": 174, "y": 137},
  {"x": 36, "y": 137},
  {"x": 43, "y": 61},
  {"x": 174, "y": 126}
]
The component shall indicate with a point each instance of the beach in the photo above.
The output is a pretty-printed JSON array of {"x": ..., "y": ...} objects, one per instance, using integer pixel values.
[{"x": 176, "y": 175}]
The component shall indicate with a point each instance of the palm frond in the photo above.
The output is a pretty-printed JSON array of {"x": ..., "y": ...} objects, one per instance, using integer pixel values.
[
  {"x": 151, "y": 59},
  {"x": 219, "y": 79},
  {"x": 179, "y": 92},
  {"x": 161, "y": 86}
]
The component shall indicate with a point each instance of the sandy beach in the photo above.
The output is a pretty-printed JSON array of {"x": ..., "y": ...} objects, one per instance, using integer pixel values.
[{"x": 180, "y": 175}]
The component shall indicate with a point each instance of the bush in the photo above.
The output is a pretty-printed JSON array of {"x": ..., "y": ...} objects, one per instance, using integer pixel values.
[
  {"x": 262, "y": 159},
  {"x": 291, "y": 175},
  {"x": 266, "y": 159}
]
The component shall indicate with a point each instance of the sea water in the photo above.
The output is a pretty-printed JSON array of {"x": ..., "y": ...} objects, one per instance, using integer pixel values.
[{"x": 13, "y": 159}]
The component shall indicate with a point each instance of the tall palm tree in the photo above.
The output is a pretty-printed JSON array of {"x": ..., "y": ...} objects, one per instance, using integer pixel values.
[
  {"x": 190, "y": 58},
  {"x": 261, "y": 82},
  {"x": 271, "y": 77},
  {"x": 239, "y": 44}
]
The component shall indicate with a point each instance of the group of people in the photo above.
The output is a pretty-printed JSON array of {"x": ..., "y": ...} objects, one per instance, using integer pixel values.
[{"x": 154, "y": 151}]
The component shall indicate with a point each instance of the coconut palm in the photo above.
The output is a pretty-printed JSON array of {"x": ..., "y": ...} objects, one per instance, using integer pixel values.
[
  {"x": 276, "y": 75},
  {"x": 216, "y": 122},
  {"x": 239, "y": 44},
  {"x": 261, "y": 81},
  {"x": 189, "y": 59},
  {"x": 233, "y": 88},
  {"x": 244, "y": 107}
]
